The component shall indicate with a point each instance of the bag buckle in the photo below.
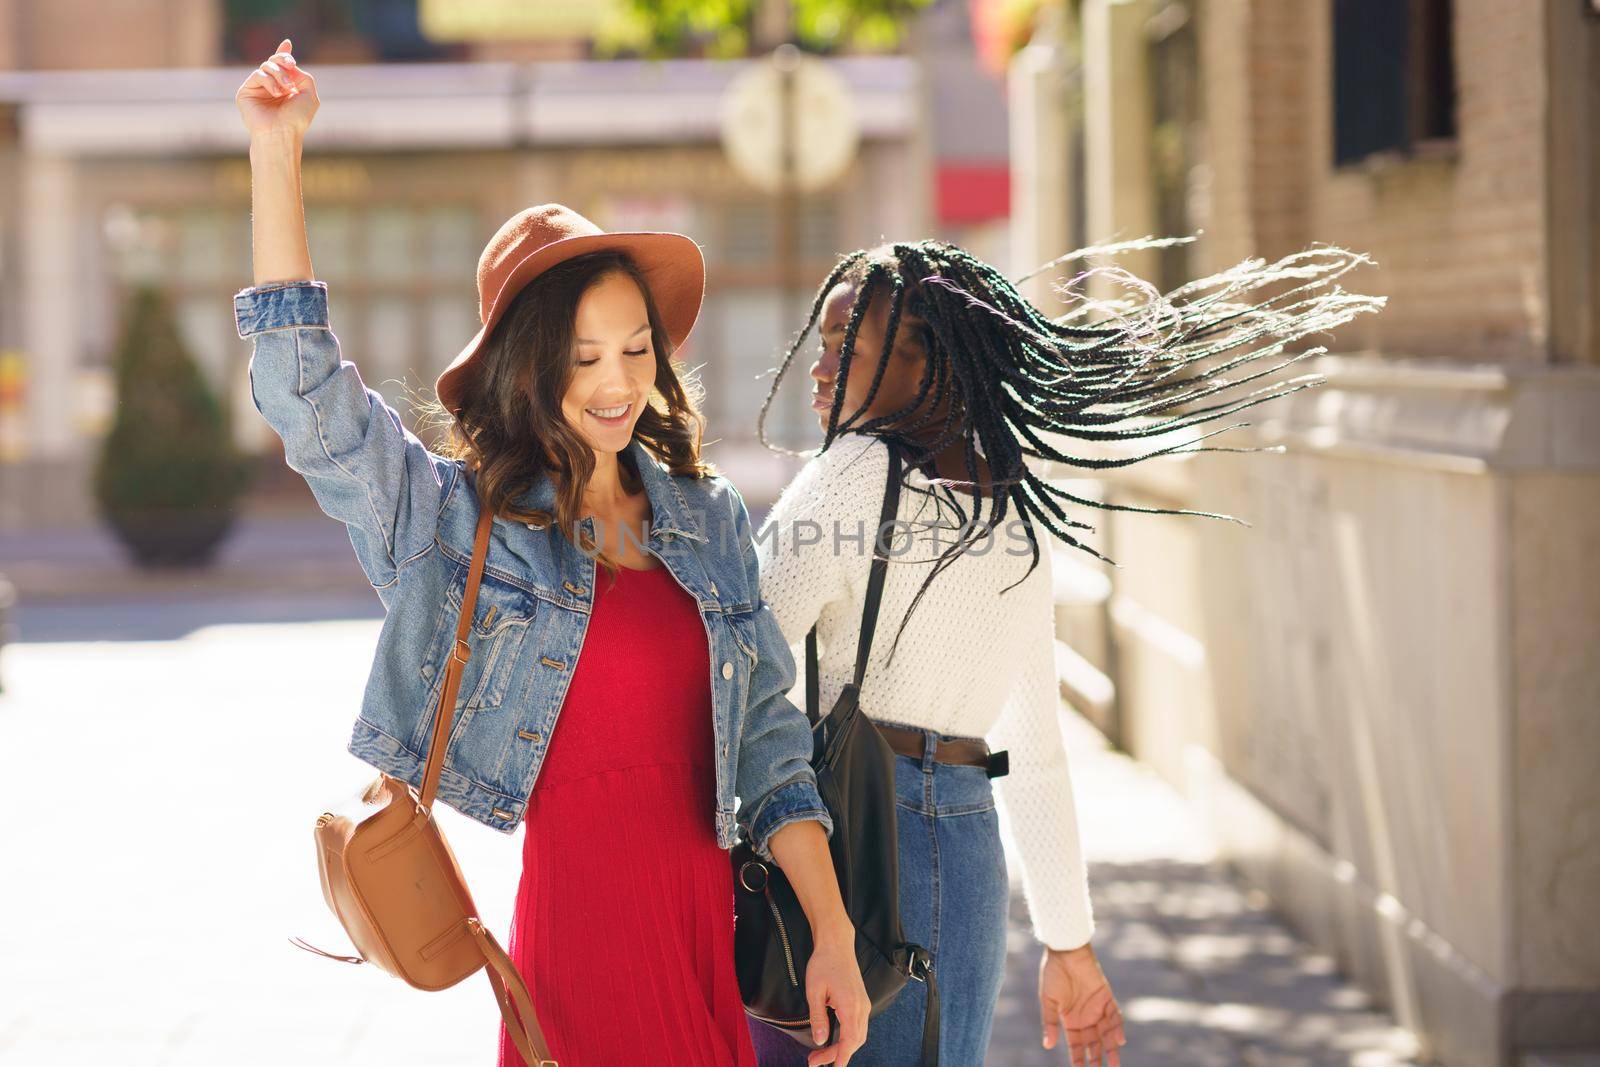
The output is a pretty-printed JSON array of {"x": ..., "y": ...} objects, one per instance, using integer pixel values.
[{"x": 920, "y": 966}]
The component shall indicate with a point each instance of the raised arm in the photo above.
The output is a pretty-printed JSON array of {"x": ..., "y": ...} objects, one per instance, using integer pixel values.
[
  {"x": 277, "y": 102},
  {"x": 363, "y": 466}
]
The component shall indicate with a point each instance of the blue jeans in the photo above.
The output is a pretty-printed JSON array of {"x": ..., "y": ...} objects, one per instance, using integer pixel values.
[{"x": 953, "y": 898}]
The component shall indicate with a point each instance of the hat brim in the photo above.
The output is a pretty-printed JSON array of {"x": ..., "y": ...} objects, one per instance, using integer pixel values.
[{"x": 673, "y": 267}]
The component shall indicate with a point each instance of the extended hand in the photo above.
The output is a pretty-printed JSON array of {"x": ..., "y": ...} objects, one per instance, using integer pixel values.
[
  {"x": 1073, "y": 991},
  {"x": 833, "y": 980}
]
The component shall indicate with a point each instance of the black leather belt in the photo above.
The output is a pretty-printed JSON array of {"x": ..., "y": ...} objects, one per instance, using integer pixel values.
[{"x": 960, "y": 752}]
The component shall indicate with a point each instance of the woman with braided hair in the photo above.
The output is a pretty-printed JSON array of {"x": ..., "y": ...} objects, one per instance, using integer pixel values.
[{"x": 934, "y": 353}]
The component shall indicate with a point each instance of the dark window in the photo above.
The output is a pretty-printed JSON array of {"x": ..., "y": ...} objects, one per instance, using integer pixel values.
[
  {"x": 330, "y": 31},
  {"x": 1393, "y": 76},
  {"x": 1176, "y": 139}
]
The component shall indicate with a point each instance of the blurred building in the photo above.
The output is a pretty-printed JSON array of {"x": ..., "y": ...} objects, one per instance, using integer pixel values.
[
  {"x": 1385, "y": 693},
  {"x": 124, "y": 159}
]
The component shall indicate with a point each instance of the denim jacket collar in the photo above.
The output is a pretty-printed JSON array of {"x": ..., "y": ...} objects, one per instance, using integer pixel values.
[{"x": 670, "y": 512}]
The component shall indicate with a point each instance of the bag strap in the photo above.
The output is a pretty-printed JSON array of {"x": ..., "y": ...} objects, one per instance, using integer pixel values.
[
  {"x": 460, "y": 652},
  {"x": 510, "y": 991},
  {"x": 869, "y": 611},
  {"x": 918, "y": 962},
  {"x": 516, "y": 1006}
]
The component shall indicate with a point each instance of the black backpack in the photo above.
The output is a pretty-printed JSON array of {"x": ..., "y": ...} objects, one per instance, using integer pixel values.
[{"x": 855, "y": 775}]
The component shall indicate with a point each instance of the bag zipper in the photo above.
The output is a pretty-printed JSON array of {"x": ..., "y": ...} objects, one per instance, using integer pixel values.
[{"x": 783, "y": 936}]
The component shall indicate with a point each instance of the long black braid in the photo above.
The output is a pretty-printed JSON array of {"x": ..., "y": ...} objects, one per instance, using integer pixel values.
[{"x": 1004, "y": 379}]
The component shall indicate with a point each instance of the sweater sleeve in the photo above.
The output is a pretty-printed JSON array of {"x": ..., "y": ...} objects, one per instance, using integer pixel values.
[
  {"x": 1037, "y": 793},
  {"x": 817, "y": 534}
]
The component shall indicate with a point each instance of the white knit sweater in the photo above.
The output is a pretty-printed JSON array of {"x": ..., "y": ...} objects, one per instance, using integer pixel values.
[{"x": 971, "y": 661}]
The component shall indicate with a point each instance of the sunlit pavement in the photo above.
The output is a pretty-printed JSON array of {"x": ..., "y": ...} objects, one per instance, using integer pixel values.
[
  {"x": 1206, "y": 975},
  {"x": 164, "y": 770}
]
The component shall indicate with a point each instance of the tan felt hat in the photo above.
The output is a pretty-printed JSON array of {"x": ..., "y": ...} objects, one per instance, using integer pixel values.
[{"x": 538, "y": 238}]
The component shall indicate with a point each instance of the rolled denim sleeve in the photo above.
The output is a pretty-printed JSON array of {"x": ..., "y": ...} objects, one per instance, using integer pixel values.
[
  {"x": 362, "y": 464},
  {"x": 775, "y": 781}
]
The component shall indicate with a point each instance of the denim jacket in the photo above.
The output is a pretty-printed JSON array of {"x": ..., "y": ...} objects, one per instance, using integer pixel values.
[{"x": 411, "y": 515}]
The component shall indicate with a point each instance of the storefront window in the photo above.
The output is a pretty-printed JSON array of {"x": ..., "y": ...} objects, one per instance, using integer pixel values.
[
  {"x": 749, "y": 234},
  {"x": 202, "y": 245},
  {"x": 749, "y": 327},
  {"x": 452, "y": 322},
  {"x": 390, "y": 251},
  {"x": 142, "y": 243},
  {"x": 401, "y": 288},
  {"x": 388, "y": 349},
  {"x": 451, "y": 242},
  {"x": 332, "y": 233},
  {"x": 749, "y": 231}
]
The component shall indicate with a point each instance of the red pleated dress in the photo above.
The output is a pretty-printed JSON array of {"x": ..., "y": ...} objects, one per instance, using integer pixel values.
[{"x": 623, "y": 925}]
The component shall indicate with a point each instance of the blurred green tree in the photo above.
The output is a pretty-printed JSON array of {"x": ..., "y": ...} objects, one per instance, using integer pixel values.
[
  {"x": 168, "y": 474},
  {"x": 731, "y": 27}
]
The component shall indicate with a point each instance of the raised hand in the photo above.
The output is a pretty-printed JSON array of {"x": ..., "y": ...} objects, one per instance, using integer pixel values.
[
  {"x": 1074, "y": 992},
  {"x": 278, "y": 97}
]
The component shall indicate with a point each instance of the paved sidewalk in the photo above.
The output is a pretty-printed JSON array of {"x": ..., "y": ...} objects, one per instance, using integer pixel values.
[
  {"x": 273, "y": 548},
  {"x": 1206, "y": 975},
  {"x": 165, "y": 764}
]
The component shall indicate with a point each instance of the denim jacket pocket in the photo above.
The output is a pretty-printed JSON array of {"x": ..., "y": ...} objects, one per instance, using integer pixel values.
[
  {"x": 741, "y": 626},
  {"x": 503, "y": 618}
]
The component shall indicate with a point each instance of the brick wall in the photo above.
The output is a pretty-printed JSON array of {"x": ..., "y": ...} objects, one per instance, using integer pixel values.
[
  {"x": 1458, "y": 235},
  {"x": 126, "y": 34}
]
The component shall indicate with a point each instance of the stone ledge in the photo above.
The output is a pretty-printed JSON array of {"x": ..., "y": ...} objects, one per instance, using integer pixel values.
[
  {"x": 1468, "y": 418},
  {"x": 1453, "y": 417}
]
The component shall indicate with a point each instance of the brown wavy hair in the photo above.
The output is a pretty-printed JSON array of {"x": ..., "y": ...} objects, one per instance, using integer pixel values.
[{"x": 510, "y": 430}]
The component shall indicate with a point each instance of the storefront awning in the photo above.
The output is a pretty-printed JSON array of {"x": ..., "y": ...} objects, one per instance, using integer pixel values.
[{"x": 426, "y": 105}]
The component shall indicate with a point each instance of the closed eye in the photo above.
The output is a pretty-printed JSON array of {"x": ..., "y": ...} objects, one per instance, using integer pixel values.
[{"x": 629, "y": 352}]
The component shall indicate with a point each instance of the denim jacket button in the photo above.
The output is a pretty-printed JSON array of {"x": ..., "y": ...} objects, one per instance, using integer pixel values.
[{"x": 727, "y": 670}]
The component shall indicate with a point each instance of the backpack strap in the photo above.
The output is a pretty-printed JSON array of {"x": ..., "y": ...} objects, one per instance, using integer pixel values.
[{"x": 881, "y": 537}]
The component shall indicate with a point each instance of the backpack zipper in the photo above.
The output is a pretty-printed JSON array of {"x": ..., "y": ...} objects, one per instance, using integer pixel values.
[{"x": 783, "y": 937}]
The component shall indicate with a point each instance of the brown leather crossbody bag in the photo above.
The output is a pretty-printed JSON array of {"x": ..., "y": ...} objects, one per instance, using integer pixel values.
[{"x": 392, "y": 881}]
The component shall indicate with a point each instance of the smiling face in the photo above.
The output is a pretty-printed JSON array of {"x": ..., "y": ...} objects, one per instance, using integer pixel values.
[
  {"x": 614, "y": 363},
  {"x": 906, "y": 362}
]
